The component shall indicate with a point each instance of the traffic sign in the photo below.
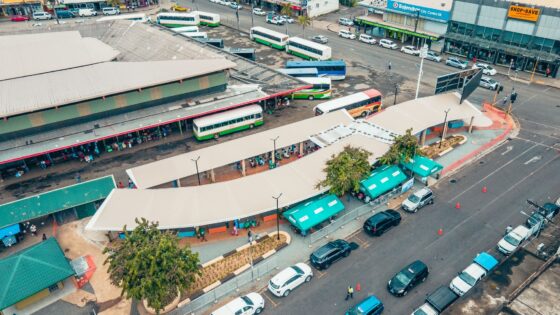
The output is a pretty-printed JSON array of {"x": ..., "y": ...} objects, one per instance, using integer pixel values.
[{"x": 453, "y": 81}]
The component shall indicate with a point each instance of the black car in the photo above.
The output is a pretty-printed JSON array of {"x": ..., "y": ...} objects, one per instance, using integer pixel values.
[
  {"x": 381, "y": 222},
  {"x": 409, "y": 277},
  {"x": 327, "y": 254},
  {"x": 550, "y": 210}
]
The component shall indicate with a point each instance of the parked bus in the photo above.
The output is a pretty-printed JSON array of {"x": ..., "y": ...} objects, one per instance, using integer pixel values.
[
  {"x": 140, "y": 17},
  {"x": 247, "y": 53},
  {"x": 307, "y": 49},
  {"x": 185, "y": 29},
  {"x": 213, "y": 126},
  {"x": 334, "y": 69},
  {"x": 268, "y": 37},
  {"x": 300, "y": 72},
  {"x": 321, "y": 89},
  {"x": 196, "y": 35},
  {"x": 208, "y": 19},
  {"x": 174, "y": 19},
  {"x": 216, "y": 42},
  {"x": 359, "y": 104}
]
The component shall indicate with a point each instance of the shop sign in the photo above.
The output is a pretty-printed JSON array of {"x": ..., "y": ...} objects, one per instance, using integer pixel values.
[
  {"x": 437, "y": 11},
  {"x": 523, "y": 13}
]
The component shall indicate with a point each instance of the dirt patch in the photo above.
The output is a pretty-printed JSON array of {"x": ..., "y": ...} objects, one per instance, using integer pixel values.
[{"x": 434, "y": 150}]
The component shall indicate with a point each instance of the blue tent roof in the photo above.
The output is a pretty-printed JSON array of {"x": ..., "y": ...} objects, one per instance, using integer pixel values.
[
  {"x": 309, "y": 214},
  {"x": 382, "y": 180},
  {"x": 423, "y": 166}
]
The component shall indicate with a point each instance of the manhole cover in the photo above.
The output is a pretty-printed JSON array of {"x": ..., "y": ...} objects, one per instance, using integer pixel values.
[{"x": 452, "y": 181}]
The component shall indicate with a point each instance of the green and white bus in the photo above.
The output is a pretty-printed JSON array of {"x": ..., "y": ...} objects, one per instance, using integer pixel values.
[
  {"x": 307, "y": 49},
  {"x": 208, "y": 19},
  {"x": 174, "y": 19},
  {"x": 213, "y": 126},
  {"x": 269, "y": 37},
  {"x": 185, "y": 29},
  {"x": 321, "y": 89}
]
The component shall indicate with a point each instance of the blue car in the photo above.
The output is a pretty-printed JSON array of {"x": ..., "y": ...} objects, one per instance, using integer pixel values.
[{"x": 370, "y": 305}]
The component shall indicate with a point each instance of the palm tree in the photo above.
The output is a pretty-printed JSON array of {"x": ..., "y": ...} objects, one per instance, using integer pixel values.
[
  {"x": 304, "y": 21},
  {"x": 287, "y": 11}
]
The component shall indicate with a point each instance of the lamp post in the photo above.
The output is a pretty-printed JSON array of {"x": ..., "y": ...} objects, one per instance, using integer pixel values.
[
  {"x": 277, "y": 216},
  {"x": 274, "y": 150},
  {"x": 196, "y": 165},
  {"x": 252, "y": 13},
  {"x": 444, "y": 127},
  {"x": 423, "y": 55},
  {"x": 396, "y": 92}
]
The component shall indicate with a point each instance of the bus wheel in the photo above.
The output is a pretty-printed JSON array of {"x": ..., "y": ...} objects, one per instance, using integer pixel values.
[
  {"x": 310, "y": 97},
  {"x": 251, "y": 126},
  {"x": 364, "y": 114}
]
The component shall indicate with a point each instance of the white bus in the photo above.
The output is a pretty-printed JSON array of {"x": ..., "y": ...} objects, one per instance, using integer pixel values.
[
  {"x": 184, "y": 29},
  {"x": 195, "y": 34},
  {"x": 208, "y": 19},
  {"x": 140, "y": 17},
  {"x": 360, "y": 104},
  {"x": 307, "y": 49},
  {"x": 269, "y": 37},
  {"x": 321, "y": 89},
  {"x": 215, "y": 125},
  {"x": 174, "y": 19}
]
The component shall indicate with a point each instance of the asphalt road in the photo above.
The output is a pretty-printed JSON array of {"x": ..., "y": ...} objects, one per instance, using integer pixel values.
[{"x": 526, "y": 167}]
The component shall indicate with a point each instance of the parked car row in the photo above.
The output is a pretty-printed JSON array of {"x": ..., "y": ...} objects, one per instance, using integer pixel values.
[{"x": 231, "y": 4}]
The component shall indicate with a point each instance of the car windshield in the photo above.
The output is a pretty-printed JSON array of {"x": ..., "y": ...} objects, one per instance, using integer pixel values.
[
  {"x": 413, "y": 198},
  {"x": 247, "y": 300},
  {"x": 402, "y": 278},
  {"x": 512, "y": 240},
  {"x": 355, "y": 311},
  {"x": 467, "y": 278},
  {"x": 297, "y": 269},
  {"x": 274, "y": 285}
]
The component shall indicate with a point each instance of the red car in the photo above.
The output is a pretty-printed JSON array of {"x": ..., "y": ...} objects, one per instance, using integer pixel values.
[{"x": 19, "y": 18}]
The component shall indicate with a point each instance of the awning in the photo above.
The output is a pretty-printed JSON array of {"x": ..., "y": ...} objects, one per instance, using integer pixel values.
[
  {"x": 311, "y": 213},
  {"x": 364, "y": 21},
  {"x": 382, "y": 180},
  {"x": 9, "y": 231},
  {"x": 423, "y": 166}
]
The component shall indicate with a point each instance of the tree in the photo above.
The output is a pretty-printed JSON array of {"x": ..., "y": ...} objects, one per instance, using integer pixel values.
[
  {"x": 114, "y": 3},
  {"x": 304, "y": 21},
  {"x": 346, "y": 170},
  {"x": 149, "y": 265},
  {"x": 404, "y": 148},
  {"x": 287, "y": 11}
]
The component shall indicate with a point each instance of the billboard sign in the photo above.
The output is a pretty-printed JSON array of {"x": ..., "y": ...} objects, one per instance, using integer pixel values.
[
  {"x": 453, "y": 81},
  {"x": 523, "y": 13},
  {"x": 471, "y": 83},
  {"x": 439, "y": 10}
]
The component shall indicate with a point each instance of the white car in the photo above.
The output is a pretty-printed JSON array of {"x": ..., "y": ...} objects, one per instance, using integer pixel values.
[
  {"x": 252, "y": 303},
  {"x": 509, "y": 243},
  {"x": 288, "y": 19},
  {"x": 425, "y": 309},
  {"x": 486, "y": 69},
  {"x": 386, "y": 43},
  {"x": 467, "y": 279},
  {"x": 489, "y": 83},
  {"x": 345, "y": 21},
  {"x": 411, "y": 50},
  {"x": 87, "y": 12},
  {"x": 236, "y": 6},
  {"x": 290, "y": 278},
  {"x": 42, "y": 16},
  {"x": 367, "y": 39},
  {"x": 346, "y": 34},
  {"x": 111, "y": 11},
  {"x": 258, "y": 11},
  {"x": 223, "y": 2},
  {"x": 214, "y": 1}
]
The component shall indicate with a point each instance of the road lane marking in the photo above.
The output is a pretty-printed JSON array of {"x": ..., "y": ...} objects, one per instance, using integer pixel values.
[
  {"x": 533, "y": 159},
  {"x": 492, "y": 173},
  {"x": 529, "y": 99},
  {"x": 554, "y": 147},
  {"x": 269, "y": 298},
  {"x": 538, "y": 123},
  {"x": 508, "y": 148}
]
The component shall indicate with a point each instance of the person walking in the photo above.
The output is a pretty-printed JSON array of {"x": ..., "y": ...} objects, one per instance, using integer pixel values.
[
  {"x": 44, "y": 237},
  {"x": 197, "y": 232},
  {"x": 349, "y": 293},
  {"x": 203, "y": 235},
  {"x": 547, "y": 72},
  {"x": 389, "y": 65}
]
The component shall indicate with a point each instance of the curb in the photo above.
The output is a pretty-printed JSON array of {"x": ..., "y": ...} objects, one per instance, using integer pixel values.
[{"x": 239, "y": 270}]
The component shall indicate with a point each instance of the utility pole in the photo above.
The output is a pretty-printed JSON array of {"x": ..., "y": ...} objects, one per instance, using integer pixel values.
[
  {"x": 196, "y": 165},
  {"x": 444, "y": 127},
  {"x": 277, "y": 216},
  {"x": 416, "y": 22},
  {"x": 423, "y": 55},
  {"x": 396, "y": 92},
  {"x": 274, "y": 152}
]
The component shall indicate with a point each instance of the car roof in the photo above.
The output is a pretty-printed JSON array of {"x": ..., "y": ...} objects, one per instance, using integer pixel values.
[
  {"x": 378, "y": 217},
  {"x": 416, "y": 266},
  {"x": 475, "y": 270},
  {"x": 370, "y": 302},
  {"x": 284, "y": 275},
  {"x": 486, "y": 260},
  {"x": 325, "y": 249}
]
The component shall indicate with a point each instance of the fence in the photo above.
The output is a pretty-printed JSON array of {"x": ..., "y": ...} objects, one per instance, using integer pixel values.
[
  {"x": 235, "y": 284},
  {"x": 351, "y": 215}
]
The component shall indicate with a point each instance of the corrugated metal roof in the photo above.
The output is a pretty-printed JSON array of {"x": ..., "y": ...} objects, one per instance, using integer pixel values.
[
  {"x": 32, "y": 270},
  {"x": 103, "y": 79},
  {"x": 30, "y": 54}
]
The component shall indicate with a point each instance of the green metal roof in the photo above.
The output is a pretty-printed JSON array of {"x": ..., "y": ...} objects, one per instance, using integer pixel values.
[
  {"x": 423, "y": 166},
  {"x": 381, "y": 180},
  {"x": 309, "y": 214},
  {"x": 55, "y": 200},
  {"x": 396, "y": 29},
  {"x": 32, "y": 270}
]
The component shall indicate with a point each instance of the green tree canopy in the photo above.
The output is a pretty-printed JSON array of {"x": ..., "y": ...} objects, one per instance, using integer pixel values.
[
  {"x": 404, "y": 148},
  {"x": 148, "y": 264},
  {"x": 286, "y": 9},
  {"x": 346, "y": 170},
  {"x": 114, "y": 3},
  {"x": 304, "y": 21}
]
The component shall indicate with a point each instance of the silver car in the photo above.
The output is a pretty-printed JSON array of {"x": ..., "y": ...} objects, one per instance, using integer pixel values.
[
  {"x": 489, "y": 83},
  {"x": 433, "y": 56}
]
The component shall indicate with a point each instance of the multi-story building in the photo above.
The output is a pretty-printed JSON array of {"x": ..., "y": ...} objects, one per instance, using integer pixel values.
[
  {"x": 19, "y": 7},
  {"x": 311, "y": 8},
  {"x": 521, "y": 34}
]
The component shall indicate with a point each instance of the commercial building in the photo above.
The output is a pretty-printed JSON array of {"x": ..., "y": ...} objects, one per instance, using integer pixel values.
[
  {"x": 418, "y": 21},
  {"x": 311, "y": 8},
  {"x": 523, "y": 34},
  {"x": 23, "y": 7}
]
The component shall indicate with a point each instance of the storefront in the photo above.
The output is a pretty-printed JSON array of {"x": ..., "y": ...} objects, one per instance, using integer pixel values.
[
  {"x": 376, "y": 27},
  {"x": 19, "y": 7}
]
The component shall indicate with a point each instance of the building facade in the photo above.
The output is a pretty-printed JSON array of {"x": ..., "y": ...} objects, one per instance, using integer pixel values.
[
  {"x": 311, "y": 8},
  {"x": 19, "y": 7},
  {"x": 513, "y": 34}
]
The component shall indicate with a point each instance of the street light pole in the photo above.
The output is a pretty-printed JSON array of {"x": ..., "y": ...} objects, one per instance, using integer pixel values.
[
  {"x": 277, "y": 216},
  {"x": 416, "y": 23},
  {"x": 396, "y": 92},
  {"x": 423, "y": 55},
  {"x": 274, "y": 151},
  {"x": 444, "y": 127},
  {"x": 196, "y": 165}
]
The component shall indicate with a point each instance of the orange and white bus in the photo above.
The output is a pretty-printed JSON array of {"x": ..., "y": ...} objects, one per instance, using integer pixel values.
[{"x": 360, "y": 104}]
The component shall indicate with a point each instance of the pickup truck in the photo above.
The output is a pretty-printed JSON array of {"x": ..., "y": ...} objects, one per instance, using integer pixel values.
[
  {"x": 509, "y": 243},
  {"x": 468, "y": 278},
  {"x": 437, "y": 302}
]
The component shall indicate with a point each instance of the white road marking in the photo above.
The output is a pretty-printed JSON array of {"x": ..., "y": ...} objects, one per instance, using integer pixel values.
[
  {"x": 533, "y": 159},
  {"x": 530, "y": 98},
  {"x": 537, "y": 123},
  {"x": 554, "y": 147},
  {"x": 493, "y": 172},
  {"x": 508, "y": 148}
]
